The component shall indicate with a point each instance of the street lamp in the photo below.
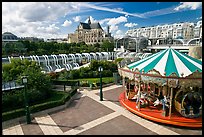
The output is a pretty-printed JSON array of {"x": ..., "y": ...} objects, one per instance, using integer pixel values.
[
  {"x": 100, "y": 69},
  {"x": 25, "y": 81}
]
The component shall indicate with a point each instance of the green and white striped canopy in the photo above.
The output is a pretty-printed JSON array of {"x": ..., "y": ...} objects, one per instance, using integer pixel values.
[{"x": 167, "y": 62}]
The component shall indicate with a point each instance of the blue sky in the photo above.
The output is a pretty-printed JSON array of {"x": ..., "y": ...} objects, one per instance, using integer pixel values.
[{"x": 57, "y": 19}]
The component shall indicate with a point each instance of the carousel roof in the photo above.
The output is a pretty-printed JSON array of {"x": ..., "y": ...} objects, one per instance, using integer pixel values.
[{"x": 167, "y": 62}]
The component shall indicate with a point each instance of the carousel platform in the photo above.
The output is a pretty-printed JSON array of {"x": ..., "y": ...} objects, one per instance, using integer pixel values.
[{"x": 155, "y": 114}]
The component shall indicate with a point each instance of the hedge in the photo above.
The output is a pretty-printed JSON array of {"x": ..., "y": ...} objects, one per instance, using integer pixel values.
[{"x": 38, "y": 107}]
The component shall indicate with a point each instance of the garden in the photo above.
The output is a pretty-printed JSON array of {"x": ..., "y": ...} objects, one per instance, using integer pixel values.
[{"x": 40, "y": 91}]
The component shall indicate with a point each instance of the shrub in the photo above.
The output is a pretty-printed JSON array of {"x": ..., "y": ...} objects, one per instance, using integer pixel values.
[
  {"x": 53, "y": 102},
  {"x": 107, "y": 73},
  {"x": 13, "y": 114},
  {"x": 15, "y": 99}
]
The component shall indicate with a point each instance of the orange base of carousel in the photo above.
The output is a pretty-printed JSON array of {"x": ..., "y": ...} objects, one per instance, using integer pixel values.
[{"x": 155, "y": 114}]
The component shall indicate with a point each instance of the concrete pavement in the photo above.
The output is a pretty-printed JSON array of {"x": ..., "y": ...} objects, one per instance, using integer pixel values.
[{"x": 87, "y": 115}]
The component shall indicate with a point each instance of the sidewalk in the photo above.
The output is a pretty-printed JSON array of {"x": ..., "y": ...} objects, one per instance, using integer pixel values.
[{"x": 87, "y": 115}]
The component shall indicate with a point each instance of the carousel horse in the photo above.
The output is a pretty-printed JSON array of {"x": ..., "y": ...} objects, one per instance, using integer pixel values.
[
  {"x": 159, "y": 101},
  {"x": 143, "y": 99}
]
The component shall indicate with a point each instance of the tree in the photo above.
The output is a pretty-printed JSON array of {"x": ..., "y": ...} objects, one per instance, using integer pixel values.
[
  {"x": 107, "y": 46},
  {"x": 38, "y": 86},
  {"x": 18, "y": 68}
]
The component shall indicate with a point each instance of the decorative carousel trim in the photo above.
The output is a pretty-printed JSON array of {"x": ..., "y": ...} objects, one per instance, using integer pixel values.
[
  {"x": 154, "y": 72},
  {"x": 195, "y": 74},
  {"x": 194, "y": 78}
]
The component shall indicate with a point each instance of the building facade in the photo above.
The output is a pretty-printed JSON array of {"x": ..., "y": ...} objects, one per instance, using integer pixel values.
[
  {"x": 183, "y": 30},
  {"x": 198, "y": 30},
  {"x": 90, "y": 33}
]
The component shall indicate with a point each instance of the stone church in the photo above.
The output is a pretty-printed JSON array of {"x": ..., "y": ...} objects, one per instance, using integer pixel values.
[{"x": 90, "y": 33}]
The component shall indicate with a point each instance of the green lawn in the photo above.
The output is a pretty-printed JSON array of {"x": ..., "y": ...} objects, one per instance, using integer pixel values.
[{"x": 97, "y": 80}]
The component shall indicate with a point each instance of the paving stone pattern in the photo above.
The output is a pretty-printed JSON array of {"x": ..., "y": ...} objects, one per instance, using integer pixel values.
[{"x": 87, "y": 115}]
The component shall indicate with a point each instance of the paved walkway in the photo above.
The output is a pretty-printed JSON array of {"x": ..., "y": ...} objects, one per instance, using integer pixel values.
[{"x": 87, "y": 115}]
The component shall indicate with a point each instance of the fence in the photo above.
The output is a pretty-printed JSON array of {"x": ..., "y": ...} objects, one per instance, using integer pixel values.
[{"x": 11, "y": 85}]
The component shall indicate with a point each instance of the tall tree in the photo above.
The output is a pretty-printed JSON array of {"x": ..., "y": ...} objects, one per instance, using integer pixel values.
[{"x": 107, "y": 46}]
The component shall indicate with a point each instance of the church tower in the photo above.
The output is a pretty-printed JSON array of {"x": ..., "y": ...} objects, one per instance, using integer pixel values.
[{"x": 89, "y": 21}]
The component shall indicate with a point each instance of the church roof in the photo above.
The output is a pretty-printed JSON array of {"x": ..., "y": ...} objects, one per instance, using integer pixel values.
[
  {"x": 85, "y": 25},
  {"x": 95, "y": 26},
  {"x": 90, "y": 26}
]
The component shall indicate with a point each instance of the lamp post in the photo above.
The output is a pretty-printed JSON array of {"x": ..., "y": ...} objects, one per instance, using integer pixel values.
[
  {"x": 100, "y": 69},
  {"x": 25, "y": 81}
]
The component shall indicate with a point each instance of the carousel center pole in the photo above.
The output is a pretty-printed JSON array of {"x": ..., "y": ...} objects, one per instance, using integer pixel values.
[
  {"x": 170, "y": 102},
  {"x": 125, "y": 88},
  {"x": 138, "y": 103},
  {"x": 123, "y": 81}
]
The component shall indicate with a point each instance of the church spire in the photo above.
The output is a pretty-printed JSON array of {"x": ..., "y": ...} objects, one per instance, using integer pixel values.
[{"x": 89, "y": 21}]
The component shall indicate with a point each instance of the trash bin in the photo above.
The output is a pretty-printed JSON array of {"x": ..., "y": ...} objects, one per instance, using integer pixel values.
[{"x": 115, "y": 77}]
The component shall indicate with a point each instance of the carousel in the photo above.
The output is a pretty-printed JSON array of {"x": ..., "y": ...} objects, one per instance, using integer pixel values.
[{"x": 165, "y": 87}]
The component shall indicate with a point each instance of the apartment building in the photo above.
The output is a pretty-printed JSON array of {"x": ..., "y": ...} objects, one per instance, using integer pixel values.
[{"x": 184, "y": 30}]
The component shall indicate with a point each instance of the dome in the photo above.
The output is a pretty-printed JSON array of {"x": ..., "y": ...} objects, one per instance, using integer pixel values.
[{"x": 8, "y": 36}]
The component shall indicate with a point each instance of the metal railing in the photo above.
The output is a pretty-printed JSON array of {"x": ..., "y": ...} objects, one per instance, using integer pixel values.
[{"x": 11, "y": 85}]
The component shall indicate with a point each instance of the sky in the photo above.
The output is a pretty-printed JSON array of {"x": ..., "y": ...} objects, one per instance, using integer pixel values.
[{"x": 58, "y": 19}]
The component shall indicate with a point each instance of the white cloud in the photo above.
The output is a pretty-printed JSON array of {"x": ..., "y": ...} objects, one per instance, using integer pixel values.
[
  {"x": 200, "y": 18},
  {"x": 50, "y": 29},
  {"x": 112, "y": 22},
  {"x": 115, "y": 21},
  {"x": 189, "y": 5},
  {"x": 104, "y": 28},
  {"x": 76, "y": 19},
  {"x": 159, "y": 12},
  {"x": 126, "y": 15},
  {"x": 35, "y": 19},
  {"x": 169, "y": 10},
  {"x": 116, "y": 10},
  {"x": 119, "y": 34},
  {"x": 104, "y": 20},
  {"x": 67, "y": 23},
  {"x": 113, "y": 28},
  {"x": 42, "y": 11},
  {"x": 130, "y": 25}
]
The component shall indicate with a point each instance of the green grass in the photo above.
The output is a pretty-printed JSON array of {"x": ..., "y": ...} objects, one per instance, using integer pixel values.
[
  {"x": 92, "y": 80},
  {"x": 97, "y": 80}
]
